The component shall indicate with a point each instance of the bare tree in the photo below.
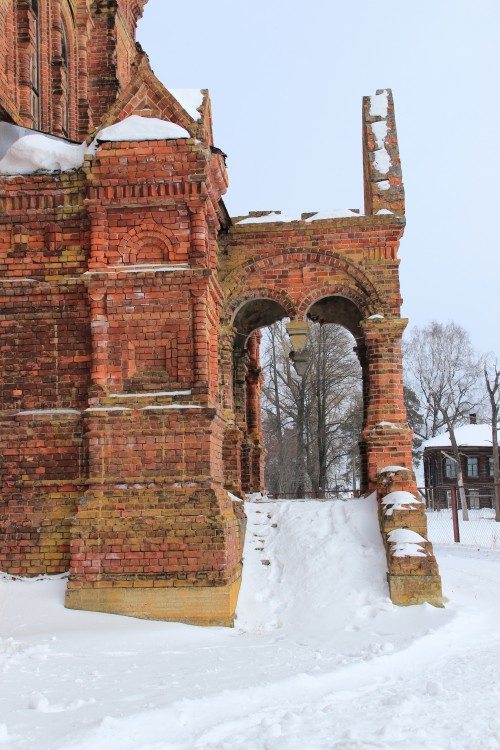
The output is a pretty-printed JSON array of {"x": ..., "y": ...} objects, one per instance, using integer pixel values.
[
  {"x": 492, "y": 381},
  {"x": 443, "y": 370},
  {"x": 309, "y": 422}
]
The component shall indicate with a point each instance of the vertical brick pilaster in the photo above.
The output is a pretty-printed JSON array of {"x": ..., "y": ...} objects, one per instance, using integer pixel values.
[{"x": 385, "y": 434}]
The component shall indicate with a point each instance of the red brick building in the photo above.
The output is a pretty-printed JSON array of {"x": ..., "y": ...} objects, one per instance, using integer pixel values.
[{"x": 131, "y": 303}]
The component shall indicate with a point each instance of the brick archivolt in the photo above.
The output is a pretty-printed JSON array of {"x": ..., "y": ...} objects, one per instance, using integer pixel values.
[
  {"x": 306, "y": 277},
  {"x": 148, "y": 244}
]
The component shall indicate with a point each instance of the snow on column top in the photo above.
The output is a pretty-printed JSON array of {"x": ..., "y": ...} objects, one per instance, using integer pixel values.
[
  {"x": 190, "y": 100},
  {"x": 138, "y": 128},
  {"x": 379, "y": 104}
]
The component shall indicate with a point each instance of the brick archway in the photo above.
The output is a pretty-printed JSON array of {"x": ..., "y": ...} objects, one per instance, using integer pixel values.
[{"x": 301, "y": 266}]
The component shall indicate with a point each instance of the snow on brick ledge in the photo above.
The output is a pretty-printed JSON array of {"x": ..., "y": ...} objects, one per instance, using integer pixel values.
[
  {"x": 406, "y": 543},
  {"x": 138, "y": 128},
  {"x": 399, "y": 500},
  {"x": 272, "y": 217},
  {"x": 335, "y": 213},
  {"x": 36, "y": 152},
  {"x": 392, "y": 469},
  {"x": 379, "y": 104}
]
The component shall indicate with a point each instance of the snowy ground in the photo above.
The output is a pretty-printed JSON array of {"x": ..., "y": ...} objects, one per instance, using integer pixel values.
[{"x": 319, "y": 659}]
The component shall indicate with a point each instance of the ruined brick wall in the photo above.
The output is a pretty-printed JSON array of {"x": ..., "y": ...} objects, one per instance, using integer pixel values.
[
  {"x": 298, "y": 264},
  {"x": 129, "y": 402},
  {"x": 64, "y": 63},
  {"x": 45, "y": 325}
]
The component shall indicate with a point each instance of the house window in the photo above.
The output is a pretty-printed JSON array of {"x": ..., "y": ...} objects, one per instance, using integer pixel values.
[
  {"x": 34, "y": 64},
  {"x": 472, "y": 467},
  {"x": 490, "y": 466},
  {"x": 450, "y": 468}
]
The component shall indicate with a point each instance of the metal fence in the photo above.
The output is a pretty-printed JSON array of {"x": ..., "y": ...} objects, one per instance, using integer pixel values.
[
  {"x": 333, "y": 493},
  {"x": 447, "y": 525},
  {"x": 445, "y": 521}
]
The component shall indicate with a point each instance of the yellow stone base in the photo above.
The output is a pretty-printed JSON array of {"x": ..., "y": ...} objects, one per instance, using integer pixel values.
[
  {"x": 416, "y": 589},
  {"x": 193, "y": 605}
]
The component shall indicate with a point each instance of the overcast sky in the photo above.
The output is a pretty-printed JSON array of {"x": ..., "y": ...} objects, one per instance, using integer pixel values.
[{"x": 286, "y": 81}]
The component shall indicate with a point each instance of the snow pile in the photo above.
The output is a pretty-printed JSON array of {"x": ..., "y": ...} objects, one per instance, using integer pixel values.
[
  {"x": 383, "y": 185},
  {"x": 335, "y": 213},
  {"x": 399, "y": 500},
  {"x": 478, "y": 435},
  {"x": 272, "y": 217},
  {"x": 384, "y": 211},
  {"x": 138, "y": 128},
  {"x": 406, "y": 543},
  {"x": 392, "y": 469},
  {"x": 190, "y": 100},
  {"x": 304, "y": 656},
  {"x": 327, "y": 553},
  {"x": 36, "y": 152}
]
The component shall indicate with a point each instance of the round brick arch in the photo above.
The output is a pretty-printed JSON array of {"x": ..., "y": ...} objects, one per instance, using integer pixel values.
[
  {"x": 148, "y": 243},
  {"x": 253, "y": 280},
  {"x": 249, "y": 295}
]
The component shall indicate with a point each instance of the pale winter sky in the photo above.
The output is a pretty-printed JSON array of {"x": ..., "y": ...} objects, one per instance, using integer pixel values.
[{"x": 286, "y": 81}]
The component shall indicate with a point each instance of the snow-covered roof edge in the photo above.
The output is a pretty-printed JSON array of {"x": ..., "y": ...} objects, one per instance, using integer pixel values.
[{"x": 473, "y": 435}]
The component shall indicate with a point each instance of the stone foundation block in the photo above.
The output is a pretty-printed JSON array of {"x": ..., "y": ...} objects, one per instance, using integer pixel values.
[
  {"x": 208, "y": 605},
  {"x": 415, "y": 589}
]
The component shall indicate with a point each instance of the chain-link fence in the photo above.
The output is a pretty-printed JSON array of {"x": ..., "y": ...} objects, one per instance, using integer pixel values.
[{"x": 447, "y": 525}]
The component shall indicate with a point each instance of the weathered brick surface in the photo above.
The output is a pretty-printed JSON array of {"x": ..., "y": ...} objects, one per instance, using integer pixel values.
[
  {"x": 130, "y": 309},
  {"x": 412, "y": 579},
  {"x": 100, "y": 60}
]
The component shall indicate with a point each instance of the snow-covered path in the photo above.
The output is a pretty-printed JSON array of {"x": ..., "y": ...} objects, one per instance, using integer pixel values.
[{"x": 319, "y": 658}]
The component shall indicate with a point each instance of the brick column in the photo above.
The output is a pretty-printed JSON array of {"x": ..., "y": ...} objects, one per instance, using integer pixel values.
[
  {"x": 413, "y": 573},
  {"x": 386, "y": 435},
  {"x": 253, "y": 382}
]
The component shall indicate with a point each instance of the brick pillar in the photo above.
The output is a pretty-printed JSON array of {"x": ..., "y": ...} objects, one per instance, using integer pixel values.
[
  {"x": 413, "y": 573},
  {"x": 253, "y": 382},
  {"x": 386, "y": 435}
]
